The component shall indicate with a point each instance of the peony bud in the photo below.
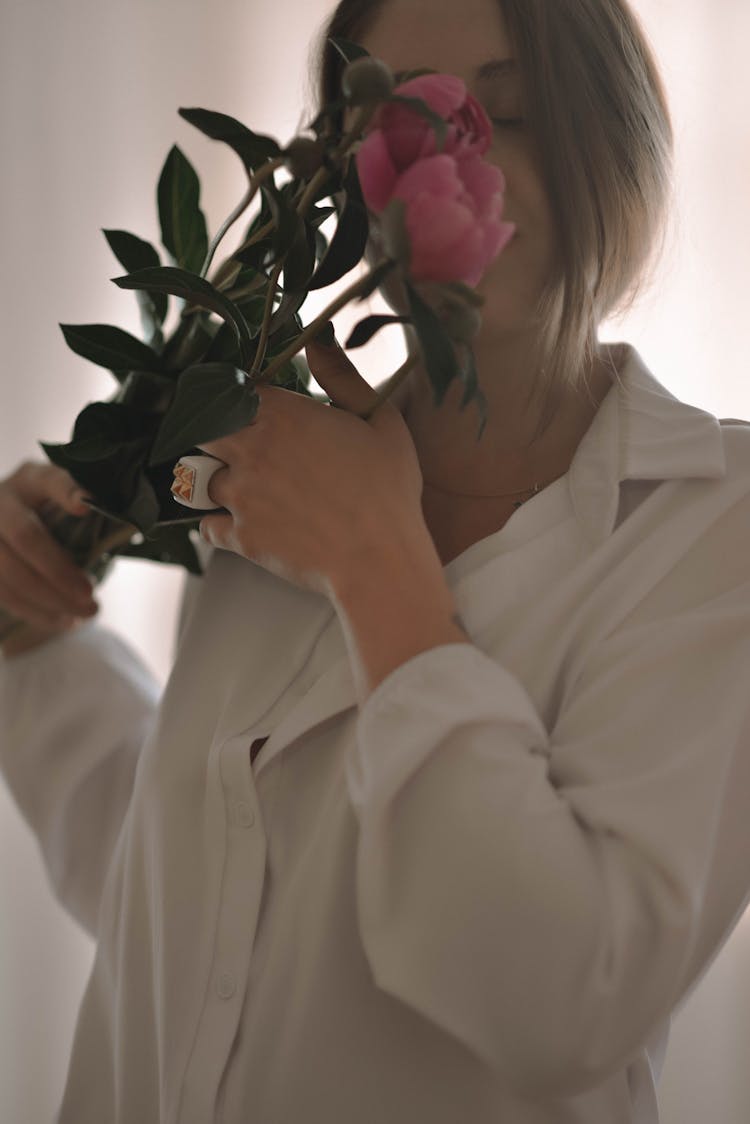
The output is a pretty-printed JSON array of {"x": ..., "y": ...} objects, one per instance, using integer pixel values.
[
  {"x": 303, "y": 156},
  {"x": 367, "y": 80}
]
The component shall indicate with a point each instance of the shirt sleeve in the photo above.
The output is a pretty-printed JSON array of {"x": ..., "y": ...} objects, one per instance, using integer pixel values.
[
  {"x": 74, "y": 714},
  {"x": 547, "y": 897}
]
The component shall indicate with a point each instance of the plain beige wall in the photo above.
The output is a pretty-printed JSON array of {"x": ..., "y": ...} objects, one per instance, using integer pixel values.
[{"x": 88, "y": 111}]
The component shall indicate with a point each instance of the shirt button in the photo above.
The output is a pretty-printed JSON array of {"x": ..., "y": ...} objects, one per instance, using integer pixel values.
[
  {"x": 245, "y": 814},
  {"x": 225, "y": 985}
]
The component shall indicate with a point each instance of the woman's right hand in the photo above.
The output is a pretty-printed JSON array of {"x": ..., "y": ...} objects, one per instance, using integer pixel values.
[{"x": 40, "y": 584}]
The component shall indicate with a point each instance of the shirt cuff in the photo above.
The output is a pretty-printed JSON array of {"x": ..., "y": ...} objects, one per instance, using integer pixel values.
[{"x": 426, "y": 701}]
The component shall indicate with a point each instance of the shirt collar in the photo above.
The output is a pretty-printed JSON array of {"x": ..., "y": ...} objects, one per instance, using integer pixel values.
[{"x": 640, "y": 432}]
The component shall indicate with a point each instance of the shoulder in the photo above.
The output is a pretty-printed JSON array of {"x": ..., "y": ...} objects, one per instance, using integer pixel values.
[{"x": 735, "y": 434}]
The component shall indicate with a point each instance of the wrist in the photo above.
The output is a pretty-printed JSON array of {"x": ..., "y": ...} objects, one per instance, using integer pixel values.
[{"x": 394, "y": 606}]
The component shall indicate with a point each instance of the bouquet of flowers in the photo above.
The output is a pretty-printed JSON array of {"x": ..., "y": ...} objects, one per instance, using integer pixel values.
[{"x": 406, "y": 173}]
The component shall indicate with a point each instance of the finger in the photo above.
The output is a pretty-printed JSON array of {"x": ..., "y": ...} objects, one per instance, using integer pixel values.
[
  {"x": 27, "y": 537},
  {"x": 24, "y": 582},
  {"x": 216, "y": 530},
  {"x": 218, "y": 487},
  {"x": 36, "y": 483},
  {"x": 222, "y": 448},
  {"x": 31, "y": 613},
  {"x": 334, "y": 371}
]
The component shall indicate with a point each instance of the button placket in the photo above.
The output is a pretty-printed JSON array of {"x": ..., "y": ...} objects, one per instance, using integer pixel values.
[{"x": 236, "y": 925}]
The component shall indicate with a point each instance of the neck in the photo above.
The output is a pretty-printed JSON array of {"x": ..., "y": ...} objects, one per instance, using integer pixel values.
[{"x": 511, "y": 454}]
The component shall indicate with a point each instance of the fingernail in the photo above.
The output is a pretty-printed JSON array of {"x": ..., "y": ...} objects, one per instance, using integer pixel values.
[{"x": 327, "y": 335}]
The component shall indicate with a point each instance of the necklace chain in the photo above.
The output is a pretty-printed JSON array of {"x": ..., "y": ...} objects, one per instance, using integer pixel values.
[{"x": 487, "y": 495}]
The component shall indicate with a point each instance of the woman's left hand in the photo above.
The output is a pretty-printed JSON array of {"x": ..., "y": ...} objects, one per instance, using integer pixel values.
[{"x": 312, "y": 491}]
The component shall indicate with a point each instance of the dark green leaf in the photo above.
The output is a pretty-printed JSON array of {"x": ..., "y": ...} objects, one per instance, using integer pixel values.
[
  {"x": 300, "y": 258},
  {"x": 320, "y": 214},
  {"x": 350, "y": 240},
  {"x": 348, "y": 50},
  {"x": 183, "y": 224},
  {"x": 143, "y": 508},
  {"x": 212, "y": 400},
  {"x": 190, "y": 341},
  {"x": 198, "y": 292},
  {"x": 366, "y": 329},
  {"x": 376, "y": 279},
  {"x": 170, "y": 544},
  {"x": 147, "y": 391},
  {"x": 253, "y": 149},
  {"x": 468, "y": 374},
  {"x": 437, "y": 349},
  {"x": 133, "y": 253},
  {"x": 111, "y": 347},
  {"x": 471, "y": 296},
  {"x": 286, "y": 219},
  {"x": 330, "y": 119},
  {"x": 403, "y": 76},
  {"x": 106, "y": 457}
]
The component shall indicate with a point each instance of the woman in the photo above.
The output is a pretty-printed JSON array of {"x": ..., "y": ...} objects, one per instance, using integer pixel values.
[{"x": 442, "y": 812}]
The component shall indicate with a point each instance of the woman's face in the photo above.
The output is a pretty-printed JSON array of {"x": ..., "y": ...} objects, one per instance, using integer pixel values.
[{"x": 460, "y": 37}]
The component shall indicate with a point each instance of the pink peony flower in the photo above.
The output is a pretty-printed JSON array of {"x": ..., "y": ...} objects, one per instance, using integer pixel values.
[{"x": 454, "y": 199}]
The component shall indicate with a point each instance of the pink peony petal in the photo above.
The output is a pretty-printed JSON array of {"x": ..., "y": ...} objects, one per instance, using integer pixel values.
[
  {"x": 446, "y": 243},
  {"x": 445, "y": 93},
  {"x": 376, "y": 172},
  {"x": 437, "y": 175},
  {"x": 485, "y": 182}
]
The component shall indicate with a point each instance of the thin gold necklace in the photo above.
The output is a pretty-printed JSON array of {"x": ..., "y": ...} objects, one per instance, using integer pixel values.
[{"x": 489, "y": 495}]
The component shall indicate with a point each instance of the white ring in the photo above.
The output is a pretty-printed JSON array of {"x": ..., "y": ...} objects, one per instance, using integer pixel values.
[{"x": 191, "y": 480}]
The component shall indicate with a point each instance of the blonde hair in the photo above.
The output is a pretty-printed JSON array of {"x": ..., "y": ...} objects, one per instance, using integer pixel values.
[{"x": 597, "y": 107}]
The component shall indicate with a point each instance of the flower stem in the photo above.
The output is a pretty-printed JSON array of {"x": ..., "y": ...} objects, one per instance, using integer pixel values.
[
  {"x": 314, "y": 327},
  {"x": 303, "y": 207},
  {"x": 393, "y": 383},
  {"x": 256, "y": 180},
  {"x": 120, "y": 537},
  {"x": 267, "y": 312}
]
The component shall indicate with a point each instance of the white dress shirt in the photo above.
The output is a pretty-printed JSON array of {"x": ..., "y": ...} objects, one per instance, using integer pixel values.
[{"x": 480, "y": 895}]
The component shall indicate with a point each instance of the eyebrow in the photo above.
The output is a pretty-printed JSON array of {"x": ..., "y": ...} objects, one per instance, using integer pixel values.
[{"x": 496, "y": 68}]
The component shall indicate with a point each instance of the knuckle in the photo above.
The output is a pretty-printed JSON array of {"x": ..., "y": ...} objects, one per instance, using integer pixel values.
[{"x": 23, "y": 531}]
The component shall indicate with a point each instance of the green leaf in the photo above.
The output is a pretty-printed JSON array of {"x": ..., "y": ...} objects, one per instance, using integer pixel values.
[
  {"x": 376, "y": 279},
  {"x": 253, "y": 149},
  {"x": 190, "y": 341},
  {"x": 286, "y": 219},
  {"x": 112, "y": 348},
  {"x": 437, "y": 349},
  {"x": 366, "y": 329},
  {"x": 106, "y": 456},
  {"x": 403, "y": 76},
  {"x": 168, "y": 543},
  {"x": 300, "y": 259},
  {"x": 470, "y": 378},
  {"x": 183, "y": 224},
  {"x": 212, "y": 400},
  {"x": 471, "y": 296},
  {"x": 147, "y": 391},
  {"x": 350, "y": 240},
  {"x": 348, "y": 50},
  {"x": 333, "y": 113},
  {"x": 439, "y": 124},
  {"x": 197, "y": 291},
  {"x": 143, "y": 508},
  {"x": 320, "y": 214},
  {"x": 133, "y": 253}
]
